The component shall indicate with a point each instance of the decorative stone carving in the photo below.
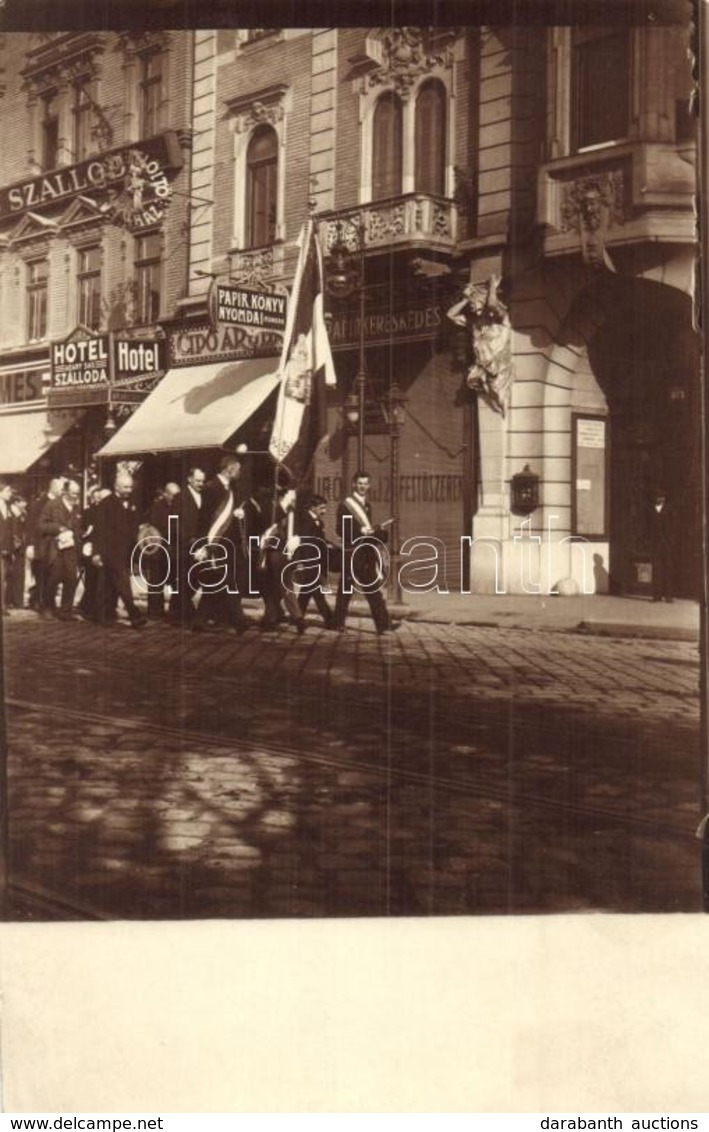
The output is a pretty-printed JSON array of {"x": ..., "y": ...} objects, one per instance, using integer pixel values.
[
  {"x": 407, "y": 54},
  {"x": 257, "y": 114},
  {"x": 252, "y": 269},
  {"x": 60, "y": 61},
  {"x": 591, "y": 206}
]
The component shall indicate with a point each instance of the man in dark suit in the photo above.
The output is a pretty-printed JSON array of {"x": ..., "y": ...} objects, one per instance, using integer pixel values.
[
  {"x": 310, "y": 528},
  {"x": 661, "y": 541},
  {"x": 362, "y": 563},
  {"x": 189, "y": 512},
  {"x": 61, "y": 523},
  {"x": 115, "y": 537},
  {"x": 225, "y": 554},
  {"x": 153, "y": 565},
  {"x": 38, "y": 545}
]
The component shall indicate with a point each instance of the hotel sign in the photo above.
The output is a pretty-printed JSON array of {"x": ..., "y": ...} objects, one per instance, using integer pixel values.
[{"x": 80, "y": 361}]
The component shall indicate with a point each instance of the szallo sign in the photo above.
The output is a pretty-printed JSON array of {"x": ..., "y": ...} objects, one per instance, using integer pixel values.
[
  {"x": 242, "y": 306},
  {"x": 131, "y": 184}
]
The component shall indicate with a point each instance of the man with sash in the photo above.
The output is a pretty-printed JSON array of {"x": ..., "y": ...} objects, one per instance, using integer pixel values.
[
  {"x": 362, "y": 557},
  {"x": 224, "y": 554}
]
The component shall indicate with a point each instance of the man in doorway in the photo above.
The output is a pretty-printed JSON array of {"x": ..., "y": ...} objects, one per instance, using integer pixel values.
[
  {"x": 361, "y": 555},
  {"x": 661, "y": 543},
  {"x": 6, "y": 541},
  {"x": 114, "y": 539}
]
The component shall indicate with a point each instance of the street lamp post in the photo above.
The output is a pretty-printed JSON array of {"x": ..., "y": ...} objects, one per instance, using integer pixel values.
[
  {"x": 397, "y": 416},
  {"x": 342, "y": 278}
]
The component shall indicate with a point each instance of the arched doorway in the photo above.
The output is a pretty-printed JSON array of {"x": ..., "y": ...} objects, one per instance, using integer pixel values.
[{"x": 645, "y": 356}]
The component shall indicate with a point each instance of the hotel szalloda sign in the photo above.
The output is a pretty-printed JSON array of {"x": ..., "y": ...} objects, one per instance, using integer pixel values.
[{"x": 91, "y": 369}]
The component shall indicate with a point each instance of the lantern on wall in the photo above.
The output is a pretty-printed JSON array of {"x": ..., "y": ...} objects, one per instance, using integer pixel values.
[{"x": 524, "y": 492}]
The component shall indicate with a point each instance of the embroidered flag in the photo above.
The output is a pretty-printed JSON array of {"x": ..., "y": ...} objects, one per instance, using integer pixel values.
[{"x": 306, "y": 366}]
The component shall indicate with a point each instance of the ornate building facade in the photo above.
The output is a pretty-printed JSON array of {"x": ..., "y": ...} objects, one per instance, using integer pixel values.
[
  {"x": 507, "y": 219},
  {"x": 93, "y": 223}
]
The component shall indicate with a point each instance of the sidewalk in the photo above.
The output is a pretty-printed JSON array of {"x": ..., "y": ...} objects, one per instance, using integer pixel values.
[{"x": 595, "y": 613}]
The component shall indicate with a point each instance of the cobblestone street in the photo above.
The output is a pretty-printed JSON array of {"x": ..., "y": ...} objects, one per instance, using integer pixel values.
[{"x": 442, "y": 770}]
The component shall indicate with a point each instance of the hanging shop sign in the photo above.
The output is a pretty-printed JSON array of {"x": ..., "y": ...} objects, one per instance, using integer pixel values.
[
  {"x": 243, "y": 306},
  {"x": 81, "y": 361},
  {"x": 135, "y": 360},
  {"x": 201, "y": 343},
  {"x": 131, "y": 182}
]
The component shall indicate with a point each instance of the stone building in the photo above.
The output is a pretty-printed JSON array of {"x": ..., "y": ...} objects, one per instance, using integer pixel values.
[
  {"x": 548, "y": 170},
  {"x": 507, "y": 220}
]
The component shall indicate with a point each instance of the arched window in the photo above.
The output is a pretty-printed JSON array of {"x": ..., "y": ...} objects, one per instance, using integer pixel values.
[
  {"x": 387, "y": 147},
  {"x": 261, "y": 187},
  {"x": 430, "y": 138}
]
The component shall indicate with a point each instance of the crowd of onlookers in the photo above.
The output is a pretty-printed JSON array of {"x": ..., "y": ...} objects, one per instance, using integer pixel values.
[{"x": 221, "y": 545}]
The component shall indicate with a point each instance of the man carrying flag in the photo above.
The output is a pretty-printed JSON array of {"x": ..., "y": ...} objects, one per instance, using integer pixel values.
[{"x": 306, "y": 366}]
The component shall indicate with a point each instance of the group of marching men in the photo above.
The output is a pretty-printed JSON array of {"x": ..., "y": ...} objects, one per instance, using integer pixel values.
[{"x": 208, "y": 547}]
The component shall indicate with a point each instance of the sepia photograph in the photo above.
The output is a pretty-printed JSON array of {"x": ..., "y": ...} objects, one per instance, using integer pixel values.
[
  {"x": 350, "y": 444},
  {"x": 353, "y": 729}
]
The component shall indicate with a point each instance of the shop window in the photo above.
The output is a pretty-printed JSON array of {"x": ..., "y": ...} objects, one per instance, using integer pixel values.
[
  {"x": 150, "y": 93},
  {"x": 82, "y": 111},
  {"x": 37, "y": 295},
  {"x": 601, "y": 66},
  {"x": 50, "y": 131},
  {"x": 89, "y": 284},
  {"x": 147, "y": 278},
  {"x": 261, "y": 187},
  {"x": 430, "y": 138},
  {"x": 387, "y": 147}
]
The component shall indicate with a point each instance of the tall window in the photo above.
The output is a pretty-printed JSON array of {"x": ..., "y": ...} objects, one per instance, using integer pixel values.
[
  {"x": 430, "y": 176},
  {"x": 601, "y": 86},
  {"x": 89, "y": 283},
  {"x": 50, "y": 131},
  {"x": 83, "y": 120},
  {"x": 387, "y": 147},
  {"x": 147, "y": 278},
  {"x": 150, "y": 93},
  {"x": 37, "y": 291},
  {"x": 261, "y": 187}
]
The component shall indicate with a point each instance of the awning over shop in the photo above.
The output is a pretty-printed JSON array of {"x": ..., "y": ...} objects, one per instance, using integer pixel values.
[
  {"x": 196, "y": 407},
  {"x": 25, "y": 437}
]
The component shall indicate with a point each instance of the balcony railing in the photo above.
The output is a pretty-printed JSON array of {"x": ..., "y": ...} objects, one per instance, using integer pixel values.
[{"x": 411, "y": 221}]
